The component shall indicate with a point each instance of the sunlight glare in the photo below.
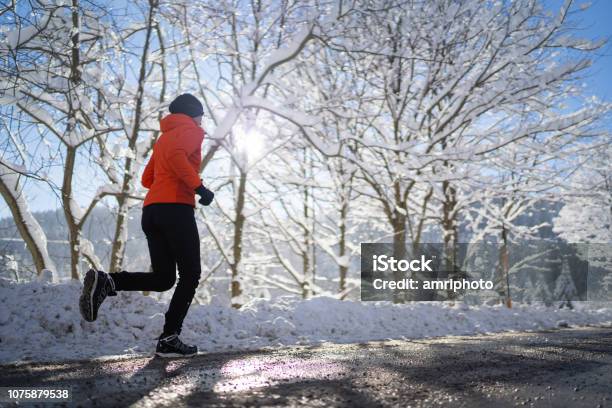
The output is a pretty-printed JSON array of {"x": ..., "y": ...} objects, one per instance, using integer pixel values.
[{"x": 249, "y": 141}]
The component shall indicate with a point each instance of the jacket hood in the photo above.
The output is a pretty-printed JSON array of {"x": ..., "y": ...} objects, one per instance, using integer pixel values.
[{"x": 175, "y": 120}]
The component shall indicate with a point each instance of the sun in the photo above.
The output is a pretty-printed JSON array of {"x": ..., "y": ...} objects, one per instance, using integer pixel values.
[{"x": 249, "y": 141}]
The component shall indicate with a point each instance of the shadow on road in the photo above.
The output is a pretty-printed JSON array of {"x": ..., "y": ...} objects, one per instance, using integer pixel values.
[{"x": 546, "y": 369}]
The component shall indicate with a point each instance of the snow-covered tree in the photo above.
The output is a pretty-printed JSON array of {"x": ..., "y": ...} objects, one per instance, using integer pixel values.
[
  {"x": 256, "y": 43},
  {"x": 606, "y": 286},
  {"x": 565, "y": 289},
  {"x": 11, "y": 189},
  {"x": 586, "y": 216},
  {"x": 139, "y": 118},
  {"x": 457, "y": 85},
  {"x": 55, "y": 84}
]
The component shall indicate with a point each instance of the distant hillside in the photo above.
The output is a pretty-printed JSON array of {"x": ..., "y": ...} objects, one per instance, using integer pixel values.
[
  {"x": 100, "y": 225},
  {"x": 99, "y": 229}
]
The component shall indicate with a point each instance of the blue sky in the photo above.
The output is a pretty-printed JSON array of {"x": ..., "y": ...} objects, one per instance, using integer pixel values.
[{"x": 594, "y": 23}]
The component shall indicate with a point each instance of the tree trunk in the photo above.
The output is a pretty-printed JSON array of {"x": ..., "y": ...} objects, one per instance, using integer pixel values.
[
  {"x": 308, "y": 252},
  {"x": 120, "y": 237},
  {"x": 236, "y": 290},
  {"x": 20, "y": 213},
  {"x": 399, "y": 250},
  {"x": 343, "y": 269},
  {"x": 505, "y": 265},
  {"x": 449, "y": 229},
  {"x": 74, "y": 235}
]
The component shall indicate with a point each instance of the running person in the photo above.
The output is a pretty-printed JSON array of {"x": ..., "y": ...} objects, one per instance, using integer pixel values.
[{"x": 168, "y": 221}]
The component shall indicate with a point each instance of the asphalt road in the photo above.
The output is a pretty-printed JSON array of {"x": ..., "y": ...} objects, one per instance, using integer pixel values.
[{"x": 561, "y": 368}]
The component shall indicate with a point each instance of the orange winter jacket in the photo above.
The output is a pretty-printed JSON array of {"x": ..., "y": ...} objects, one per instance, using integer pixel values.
[{"x": 171, "y": 175}]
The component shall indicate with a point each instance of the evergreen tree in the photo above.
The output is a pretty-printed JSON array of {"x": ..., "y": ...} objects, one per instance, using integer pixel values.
[{"x": 565, "y": 289}]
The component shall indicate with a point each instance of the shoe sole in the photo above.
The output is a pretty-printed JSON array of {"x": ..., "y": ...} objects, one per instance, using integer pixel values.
[
  {"x": 86, "y": 301},
  {"x": 173, "y": 355}
]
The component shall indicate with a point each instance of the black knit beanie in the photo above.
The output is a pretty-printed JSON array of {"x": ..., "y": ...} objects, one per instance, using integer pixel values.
[{"x": 187, "y": 104}]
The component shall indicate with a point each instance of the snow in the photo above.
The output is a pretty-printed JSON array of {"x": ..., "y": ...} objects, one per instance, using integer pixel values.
[
  {"x": 21, "y": 36},
  {"x": 292, "y": 115},
  {"x": 76, "y": 210},
  {"x": 108, "y": 189},
  {"x": 46, "y": 275},
  {"x": 278, "y": 57},
  {"x": 18, "y": 37},
  {"x": 40, "y": 321},
  {"x": 86, "y": 248}
]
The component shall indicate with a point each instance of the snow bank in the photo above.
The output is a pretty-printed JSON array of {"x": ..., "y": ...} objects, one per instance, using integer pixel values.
[{"x": 40, "y": 321}]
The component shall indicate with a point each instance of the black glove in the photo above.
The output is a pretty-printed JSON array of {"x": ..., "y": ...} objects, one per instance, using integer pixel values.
[{"x": 206, "y": 196}]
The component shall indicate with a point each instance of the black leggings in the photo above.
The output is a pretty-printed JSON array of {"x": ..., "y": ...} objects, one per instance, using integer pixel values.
[{"x": 172, "y": 235}]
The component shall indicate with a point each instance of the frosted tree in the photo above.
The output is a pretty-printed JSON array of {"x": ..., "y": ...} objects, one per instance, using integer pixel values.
[
  {"x": 606, "y": 286},
  {"x": 537, "y": 292},
  {"x": 258, "y": 43},
  {"x": 337, "y": 98},
  {"x": 314, "y": 223},
  {"x": 565, "y": 289},
  {"x": 250, "y": 37},
  {"x": 9, "y": 264},
  {"x": 528, "y": 291},
  {"x": 542, "y": 293},
  {"x": 338, "y": 223},
  {"x": 287, "y": 221},
  {"x": 492, "y": 205},
  {"x": 586, "y": 216},
  {"x": 56, "y": 84},
  {"x": 18, "y": 165},
  {"x": 457, "y": 83},
  {"x": 139, "y": 118},
  {"x": 82, "y": 104}
]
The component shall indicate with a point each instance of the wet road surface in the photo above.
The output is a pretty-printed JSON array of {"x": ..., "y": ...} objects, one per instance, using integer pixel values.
[{"x": 560, "y": 368}]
